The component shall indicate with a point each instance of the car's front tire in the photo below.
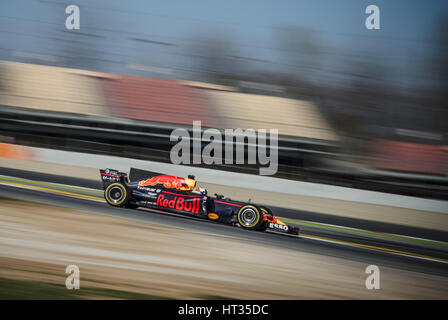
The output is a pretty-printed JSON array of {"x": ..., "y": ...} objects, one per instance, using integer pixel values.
[
  {"x": 117, "y": 195},
  {"x": 250, "y": 217}
]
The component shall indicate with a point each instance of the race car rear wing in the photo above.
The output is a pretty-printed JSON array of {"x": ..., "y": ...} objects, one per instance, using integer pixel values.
[{"x": 109, "y": 176}]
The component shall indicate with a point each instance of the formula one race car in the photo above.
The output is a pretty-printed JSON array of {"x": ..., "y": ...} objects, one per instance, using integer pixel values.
[{"x": 182, "y": 195}]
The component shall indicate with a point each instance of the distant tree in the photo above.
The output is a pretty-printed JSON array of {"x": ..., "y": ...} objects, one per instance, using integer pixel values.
[
  {"x": 301, "y": 53},
  {"x": 214, "y": 56},
  {"x": 300, "y": 49},
  {"x": 439, "y": 73}
]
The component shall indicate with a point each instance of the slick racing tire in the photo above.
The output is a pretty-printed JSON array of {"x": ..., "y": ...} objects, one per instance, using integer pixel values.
[
  {"x": 250, "y": 217},
  {"x": 117, "y": 195}
]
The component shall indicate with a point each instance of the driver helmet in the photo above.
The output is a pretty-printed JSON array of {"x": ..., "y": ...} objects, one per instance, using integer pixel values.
[{"x": 200, "y": 190}]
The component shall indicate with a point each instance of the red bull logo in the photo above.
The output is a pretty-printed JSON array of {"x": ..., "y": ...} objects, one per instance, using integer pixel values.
[
  {"x": 168, "y": 181},
  {"x": 179, "y": 203}
]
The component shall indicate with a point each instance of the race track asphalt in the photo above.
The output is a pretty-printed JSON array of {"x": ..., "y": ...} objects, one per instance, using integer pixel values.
[{"x": 318, "y": 238}]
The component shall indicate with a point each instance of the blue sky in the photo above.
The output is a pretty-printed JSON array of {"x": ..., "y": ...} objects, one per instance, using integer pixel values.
[{"x": 406, "y": 35}]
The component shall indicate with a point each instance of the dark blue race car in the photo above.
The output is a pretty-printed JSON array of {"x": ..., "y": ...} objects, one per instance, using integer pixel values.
[{"x": 182, "y": 195}]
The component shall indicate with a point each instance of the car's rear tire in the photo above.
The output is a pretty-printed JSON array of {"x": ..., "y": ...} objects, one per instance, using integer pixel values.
[
  {"x": 117, "y": 195},
  {"x": 250, "y": 217}
]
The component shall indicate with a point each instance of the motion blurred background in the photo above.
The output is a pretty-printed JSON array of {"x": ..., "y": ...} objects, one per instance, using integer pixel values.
[
  {"x": 357, "y": 108},
  {"x": 352, "y": 105}
]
